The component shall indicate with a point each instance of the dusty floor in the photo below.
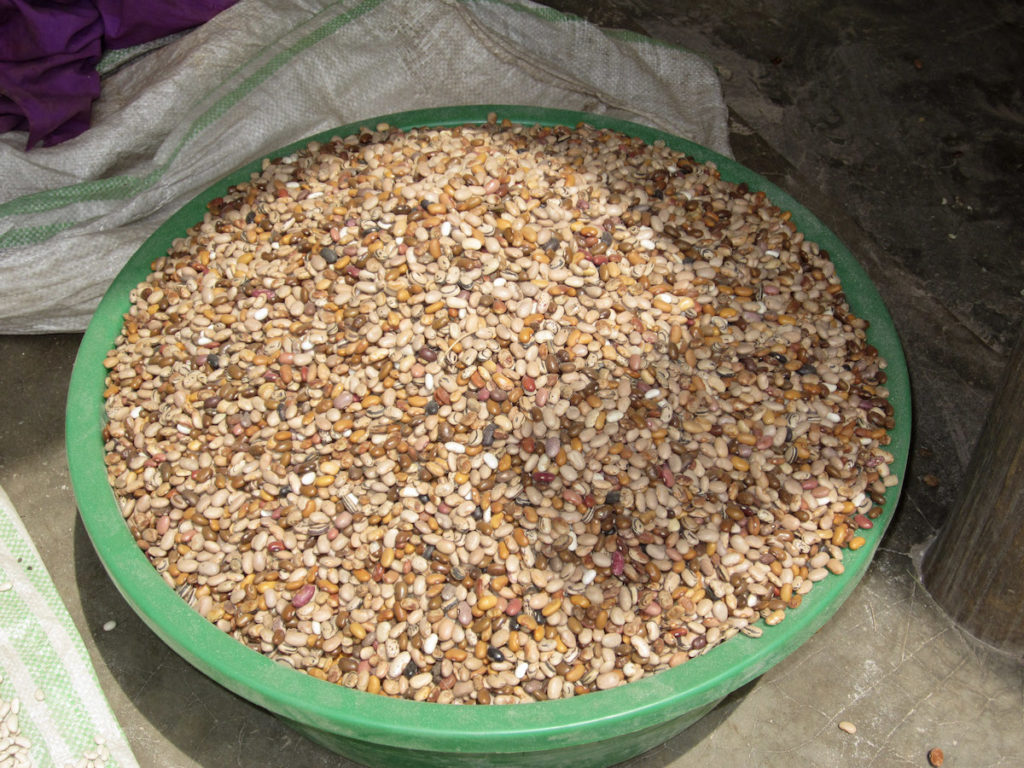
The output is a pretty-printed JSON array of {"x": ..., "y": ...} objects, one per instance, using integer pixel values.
[{"x": 901, "y": 125}]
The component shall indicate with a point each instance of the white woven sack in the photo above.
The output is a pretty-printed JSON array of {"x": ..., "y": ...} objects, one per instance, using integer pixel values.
[
  {"x": 261, "y": 75},
  {"x": 45, "y": 667}
]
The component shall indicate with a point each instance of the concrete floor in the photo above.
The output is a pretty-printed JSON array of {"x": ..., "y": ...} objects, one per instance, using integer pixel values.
[{"x": 901, "y": 125}]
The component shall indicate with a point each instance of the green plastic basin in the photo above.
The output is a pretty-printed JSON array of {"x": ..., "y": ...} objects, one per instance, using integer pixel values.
[{"x": 598, "y": 729}]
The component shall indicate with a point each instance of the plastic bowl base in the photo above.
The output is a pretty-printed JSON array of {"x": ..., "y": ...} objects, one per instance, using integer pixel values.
[{"x": 597, "y": 754}]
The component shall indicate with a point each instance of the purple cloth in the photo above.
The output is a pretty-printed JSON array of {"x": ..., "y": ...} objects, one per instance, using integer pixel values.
[{"x": 49, "y": 50}]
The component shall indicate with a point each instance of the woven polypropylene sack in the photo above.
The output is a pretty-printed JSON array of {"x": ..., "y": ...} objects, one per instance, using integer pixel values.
[
  {"x": 261, "y": 75},
  {"x": 45, "y": 666}
]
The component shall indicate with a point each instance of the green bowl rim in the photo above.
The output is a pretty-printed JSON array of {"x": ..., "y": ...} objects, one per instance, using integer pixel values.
[{"x": 437, "y": 727}]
